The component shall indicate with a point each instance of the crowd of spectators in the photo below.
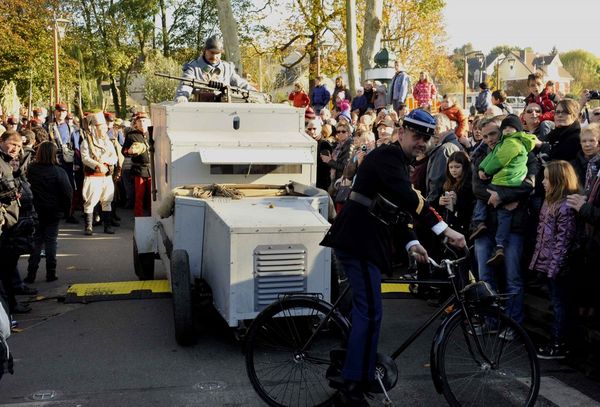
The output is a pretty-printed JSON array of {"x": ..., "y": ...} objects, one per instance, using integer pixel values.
[
  {"x": 525, "y": 189},
  {"x": 52, "y": 168}
]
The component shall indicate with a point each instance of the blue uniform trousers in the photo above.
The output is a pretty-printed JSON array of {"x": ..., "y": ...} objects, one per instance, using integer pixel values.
[{"x": 365, "y": 280}]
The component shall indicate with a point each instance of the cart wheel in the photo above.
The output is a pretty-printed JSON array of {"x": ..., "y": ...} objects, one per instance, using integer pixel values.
[
  {"x": 182, "y": 298},
  {"x": 143, "y": 264}
]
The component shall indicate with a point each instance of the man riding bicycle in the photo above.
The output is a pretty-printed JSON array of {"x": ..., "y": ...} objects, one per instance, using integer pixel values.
[{"x": 378, "y": 208}]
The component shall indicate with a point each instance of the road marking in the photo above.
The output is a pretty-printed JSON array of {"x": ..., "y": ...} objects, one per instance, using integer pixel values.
[{"x": 562, "y": 394}]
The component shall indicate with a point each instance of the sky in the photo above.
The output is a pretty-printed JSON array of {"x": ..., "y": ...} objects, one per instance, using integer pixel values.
[{"x": 539, "y": 24}]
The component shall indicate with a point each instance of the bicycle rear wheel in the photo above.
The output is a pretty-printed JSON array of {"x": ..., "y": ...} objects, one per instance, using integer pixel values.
[
  {"x": 504, "y": 373},
  {"x": 281, "y": 373}
]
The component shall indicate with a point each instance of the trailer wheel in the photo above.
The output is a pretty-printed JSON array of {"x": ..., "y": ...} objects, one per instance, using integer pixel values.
[
  {"x": 182, "y": 298},
  {"x": 143, "y": 264}
]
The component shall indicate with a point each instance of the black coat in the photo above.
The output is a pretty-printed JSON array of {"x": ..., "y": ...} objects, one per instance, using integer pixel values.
[
  {"x": 564, "y": 142},
  {"x": 52, "y": 191},
  {"x": 323, "y": 169},
  {"x": 346, "y": 151},
  {"x": 140, "y": 164},
  {"x": 384, "y": 171}
]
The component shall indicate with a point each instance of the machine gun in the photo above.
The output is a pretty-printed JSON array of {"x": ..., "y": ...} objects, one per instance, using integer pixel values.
[{"x": 219, "y": 91}]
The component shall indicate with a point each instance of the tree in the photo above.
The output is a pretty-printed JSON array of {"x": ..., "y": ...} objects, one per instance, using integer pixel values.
[
  {"x": 414, "y": 32},
  {"x": 351, "y": 45},
  {"x": 585, "y": 68},
  {"x": 158, "y": 89},
  {"x": 371, "y": 33},
  {"x": 229, "y": 29}
]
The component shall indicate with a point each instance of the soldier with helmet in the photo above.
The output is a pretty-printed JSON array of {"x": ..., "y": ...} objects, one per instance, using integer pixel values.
[
  {"x": 99, "y": 159},
  {"x": 210, "y": 67},
  {"x": 381, "y": 204}
]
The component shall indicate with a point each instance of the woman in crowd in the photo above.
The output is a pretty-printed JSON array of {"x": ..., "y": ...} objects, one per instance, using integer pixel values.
[
  {"x": 52, "y": 194},
  {"x": 588, "y": 159},
  {"x": 556, "y": 231},
  {"x": 458, "y": 200},
  {"x": 299, "y": 97},
  {"x": 340, "y": 86},
  {"x": 424, "y": 91},
  {"x": 564, "y": 139},
  {"x": 339, "y": 157}
]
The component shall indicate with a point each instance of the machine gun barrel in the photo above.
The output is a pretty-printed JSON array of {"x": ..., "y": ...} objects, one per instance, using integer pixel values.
[{"x": 219, "y": 87}]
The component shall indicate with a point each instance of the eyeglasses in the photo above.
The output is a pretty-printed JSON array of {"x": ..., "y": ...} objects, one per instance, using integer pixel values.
[
  {"x": 533, "y": 111},
  {"x": 559, "y": 112}
]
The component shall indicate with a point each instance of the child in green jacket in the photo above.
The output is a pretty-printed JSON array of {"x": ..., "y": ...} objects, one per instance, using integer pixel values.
[{"x": 506, "y": 165}]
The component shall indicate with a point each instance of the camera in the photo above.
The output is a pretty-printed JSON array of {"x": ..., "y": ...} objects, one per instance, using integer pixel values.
[
  {"x": 594, "y": 94},
  {"x": 363, "y": 148}
]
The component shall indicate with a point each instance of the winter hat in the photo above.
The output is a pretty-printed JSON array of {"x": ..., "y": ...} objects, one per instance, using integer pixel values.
[
  {"x": 512, "y": 121},
  {"x": 309, "y": 114},
  {"x": 345, "y": 115}
]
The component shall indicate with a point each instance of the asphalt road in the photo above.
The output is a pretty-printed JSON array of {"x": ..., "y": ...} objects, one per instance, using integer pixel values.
[{"x": 123, "y": 353}]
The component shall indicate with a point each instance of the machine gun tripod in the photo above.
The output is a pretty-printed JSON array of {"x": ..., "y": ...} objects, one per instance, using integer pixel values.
[{"x": 215, "y": 91}]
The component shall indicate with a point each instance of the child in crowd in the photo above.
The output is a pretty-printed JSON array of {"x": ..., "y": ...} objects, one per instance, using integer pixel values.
[
  {"x": 458, "y": 199},
  {"x": 541, "y": 95},
  {"x": 506, "y": 165},
  {"x": 555, "y": 234}
]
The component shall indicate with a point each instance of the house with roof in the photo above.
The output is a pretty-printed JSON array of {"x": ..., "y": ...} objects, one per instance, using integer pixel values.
[
  {"x": 482, "y": 70},
  {"x": 514, "y": 69}
]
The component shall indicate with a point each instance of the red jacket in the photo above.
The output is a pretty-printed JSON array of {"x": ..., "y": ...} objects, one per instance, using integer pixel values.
[
  {"x": 299, "y": 98},
  {"x": 424, "y": 93},
  {"x": 547, "y": 101}
]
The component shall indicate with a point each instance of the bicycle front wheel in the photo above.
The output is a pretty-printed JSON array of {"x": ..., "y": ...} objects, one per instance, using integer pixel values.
[
  {"x": 282, "y": 369},
  {"x": 502, "y": 371}
]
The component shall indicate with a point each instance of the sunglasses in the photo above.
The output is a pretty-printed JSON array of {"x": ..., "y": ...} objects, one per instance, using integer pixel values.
[
  {"x": 559, "y": 112},
  {"x": 533, "y": 111},
  {"x": 311, "y": 128},
  {"x": 596, "y": 113},
  {"x": 342, "y": 131}
]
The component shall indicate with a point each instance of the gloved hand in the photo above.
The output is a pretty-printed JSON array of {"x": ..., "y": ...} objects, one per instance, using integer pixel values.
[{"x": 181, "y": 99}]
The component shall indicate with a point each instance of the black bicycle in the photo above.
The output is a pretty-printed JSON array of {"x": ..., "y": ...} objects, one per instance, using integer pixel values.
[{"x": 294, "y": 350}]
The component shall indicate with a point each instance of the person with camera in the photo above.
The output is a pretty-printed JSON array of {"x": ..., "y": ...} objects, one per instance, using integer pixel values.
[
  {"x": 587, "y": 95},
  {"x": 381, "y": 205},
  {"x": 99, "y": 159}
]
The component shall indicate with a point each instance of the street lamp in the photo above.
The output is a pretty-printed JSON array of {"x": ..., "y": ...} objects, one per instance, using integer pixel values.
[
  {"x": 480, "y": 58},
  {"x": 511, "y": 64},
  {"x": 59, "y": 26}
]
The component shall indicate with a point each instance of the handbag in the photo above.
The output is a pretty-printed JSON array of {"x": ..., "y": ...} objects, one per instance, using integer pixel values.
[
  {"x": 343, "y": 188},
  {"x": 68, "y": 155}
]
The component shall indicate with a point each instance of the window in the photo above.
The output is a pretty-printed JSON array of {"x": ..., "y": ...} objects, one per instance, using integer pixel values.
[{"x": 255, "y": 169}]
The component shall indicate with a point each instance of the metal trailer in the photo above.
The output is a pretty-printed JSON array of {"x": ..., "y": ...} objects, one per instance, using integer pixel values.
[{"x": 241, "y": 253}]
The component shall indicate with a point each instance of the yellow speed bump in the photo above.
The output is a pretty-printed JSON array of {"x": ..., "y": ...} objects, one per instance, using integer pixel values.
[{"x": 121, "y": 290}]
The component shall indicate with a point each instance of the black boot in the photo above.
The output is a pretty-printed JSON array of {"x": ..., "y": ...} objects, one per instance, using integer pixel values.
[
  {"x": 51, "y": 275},
  {"x": 106, "y": 218},
  {"x": 89, "y": 219},
  {"x": 30, "y": 279},
  {"x": 351, "y": 395}
]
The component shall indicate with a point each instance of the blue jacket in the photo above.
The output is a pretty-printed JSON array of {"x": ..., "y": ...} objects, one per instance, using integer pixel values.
[
  {"x": 399, "y": 87},
  {"x": 483, "y": 101},
  {"x": 360, "y": 103},
  {"x": 320, "y": 96}
]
